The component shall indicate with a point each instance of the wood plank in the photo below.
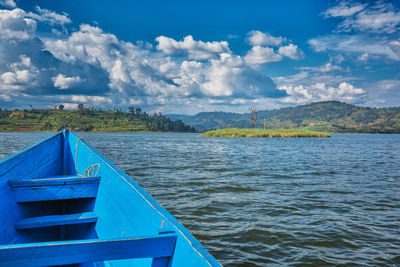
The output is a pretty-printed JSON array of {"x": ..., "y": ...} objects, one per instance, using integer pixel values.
[
  {"x": 55, "y": 220},
  {"x": 54, "y": 188},
  {"x": 49, "y": 181},
  {"x": 73, "y": 252},
  {"x": 160, "y": 262}
]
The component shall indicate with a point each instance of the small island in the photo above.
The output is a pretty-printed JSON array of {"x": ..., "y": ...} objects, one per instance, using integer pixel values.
[{"x": 290, "y": 133}]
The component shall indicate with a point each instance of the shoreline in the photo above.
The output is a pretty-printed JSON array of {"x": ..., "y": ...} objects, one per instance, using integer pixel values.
[{"x": 266, "y": 133}]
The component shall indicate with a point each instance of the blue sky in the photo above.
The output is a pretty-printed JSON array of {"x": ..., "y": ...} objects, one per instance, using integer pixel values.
[{"x": 193, "y": 56}]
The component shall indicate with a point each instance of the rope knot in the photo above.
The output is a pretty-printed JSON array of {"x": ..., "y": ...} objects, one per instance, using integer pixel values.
[{"x": 90, "y": 171}]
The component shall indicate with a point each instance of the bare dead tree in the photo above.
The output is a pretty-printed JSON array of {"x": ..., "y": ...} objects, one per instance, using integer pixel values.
[{"x": 253, "y": 112}]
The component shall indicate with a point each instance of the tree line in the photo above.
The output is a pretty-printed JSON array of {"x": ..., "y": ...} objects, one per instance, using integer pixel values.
[{"x": 89, "y": 119}]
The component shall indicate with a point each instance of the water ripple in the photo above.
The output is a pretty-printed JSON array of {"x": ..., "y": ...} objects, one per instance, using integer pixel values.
[{"x": 256, "y": 201}]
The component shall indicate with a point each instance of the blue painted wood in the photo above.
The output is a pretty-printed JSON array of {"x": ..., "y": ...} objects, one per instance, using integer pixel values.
[
  {"x": 124, "y": 209},
  {"x": 160, "y": 262},
  {"x": 57, "y": 180},
  {"x": 73, "y": 252},
  {"x": 137, "y": 212},
  {"x": 40, "y": 160},
  {"x": 55, "y": 220},
  {"x": 54, "y": 188}
]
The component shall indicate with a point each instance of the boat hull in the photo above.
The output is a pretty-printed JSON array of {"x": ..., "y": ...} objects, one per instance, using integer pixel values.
[{"x": 124, "y": 210}]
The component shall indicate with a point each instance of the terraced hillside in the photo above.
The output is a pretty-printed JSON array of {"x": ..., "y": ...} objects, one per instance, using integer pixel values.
[
  {"x": 88, "y": 119},
  {"x": 331, "y": 116}
]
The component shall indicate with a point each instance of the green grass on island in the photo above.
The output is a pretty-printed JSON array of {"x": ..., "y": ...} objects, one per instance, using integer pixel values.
[{"x": 235, "y": 132}]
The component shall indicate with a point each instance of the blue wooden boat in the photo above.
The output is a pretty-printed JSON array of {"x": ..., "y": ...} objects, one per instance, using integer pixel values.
[{"x": 62, "y": 203}]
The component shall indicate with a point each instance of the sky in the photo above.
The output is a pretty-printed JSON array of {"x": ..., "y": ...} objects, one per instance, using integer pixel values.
[{"x": 187, "y": 57}]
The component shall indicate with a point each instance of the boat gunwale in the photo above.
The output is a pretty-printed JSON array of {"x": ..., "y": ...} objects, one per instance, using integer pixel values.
[
  {"x": 53, "y": 181},
  {"x": 169, "y": 218},
  {"x": 30, "y": 147},
  {"x": 194, "y": 243}
]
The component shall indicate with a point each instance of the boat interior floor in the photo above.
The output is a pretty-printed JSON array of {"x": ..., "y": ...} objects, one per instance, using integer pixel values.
[{"x": 59, "y": 224}]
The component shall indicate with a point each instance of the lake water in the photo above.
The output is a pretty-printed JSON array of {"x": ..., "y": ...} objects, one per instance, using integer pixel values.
[{"x": 258, "y": 201}]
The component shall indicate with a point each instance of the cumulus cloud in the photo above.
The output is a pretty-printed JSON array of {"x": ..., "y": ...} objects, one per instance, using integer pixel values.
[
  {"x": 233, "y": 78},
  {"x": 321, "y": 83},
  {"x": 137, "y": 72},
  {"x": 257, "y": 38},
  {"x": 261, "y": 55},
  {"x": 321, "y": 92},
  {"x": 96, "y": 68},
  {"x": 363, "y": 57},
  {"x": 14, "y": 24},
  {"x": 225, "y": 77},
  {"x": 19, "y": 75},
  {"x": 197, "y": 50},
  {"x": 64, "y": 82},
  {"x": 27, "y": 67},
  {"x": 8, "y": 3},
  {"x": 291, "y": 51}
]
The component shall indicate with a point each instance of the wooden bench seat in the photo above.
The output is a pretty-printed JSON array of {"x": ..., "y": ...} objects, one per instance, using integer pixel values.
[
  {"x": 54, "y": 188},
  {"x": 159, "y": 247},
  {"x": 56, "y": 220}
]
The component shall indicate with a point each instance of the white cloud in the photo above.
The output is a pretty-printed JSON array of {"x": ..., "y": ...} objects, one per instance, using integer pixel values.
[
  {"x": 377, "y": 17},
  {"x": 261, "y": 55},
  {"x": 363, "y": 57},
  {"x": 8, "y": 3},
  {"x": 197, "y": 50},
  {"x": 374, "y": 28},
  {"x": 356, "y": 44},
  {"x": 64, "y": 82},
  {"x": 383, "y": 92},
  {"x": 321, "y": 92},
  {"x": 16, "y": 80},
  {"x": 51, "y": 17},
  {"x": 328, "y": 67},
  {"x": 388, "y": 85},
  {"x": 89, "y": 99},
  {"x": 8, "y": 77},
  {"x": 257, "y": 38},
  {"x": 337, "y": 59},
  {"x": 92, "y": 66},
  {"x": 135, "y": 71},
  {"x": 308, "y": 78},
  {"x": 395, "y": 47},
  {"x": 291, "y": 51},
  {"x": 17, "y": 24},
  {"x": 225, "y": 77},
  {"x": 5, "y": 97},
  {"x": 344, "y": 9},
  {"x": 19, "y": 75},
  {"x": 14, "y": 24},
  {"x": 89, "y": 44}
]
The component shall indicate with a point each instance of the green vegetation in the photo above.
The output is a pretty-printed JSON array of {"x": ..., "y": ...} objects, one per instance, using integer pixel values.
[
  {"x": 235, "y": 132},
  {"x": 332, "y": 116},
  {"x": 88, "y": 119}
]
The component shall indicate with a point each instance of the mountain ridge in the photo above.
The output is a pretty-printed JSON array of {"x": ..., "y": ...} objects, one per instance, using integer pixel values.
[{"x": 331, "y": 116}]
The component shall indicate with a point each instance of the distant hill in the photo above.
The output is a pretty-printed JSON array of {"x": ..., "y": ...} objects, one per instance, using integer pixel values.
[
  {"x": 88, "y": 119},
  {"x": 330, "y": 116}
]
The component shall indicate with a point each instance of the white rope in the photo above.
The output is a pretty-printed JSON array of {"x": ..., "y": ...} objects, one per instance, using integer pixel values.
[{"x": 90, "y": 171}]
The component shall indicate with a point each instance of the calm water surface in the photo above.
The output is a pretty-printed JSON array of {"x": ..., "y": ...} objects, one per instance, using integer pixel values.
[{"x": 260, "y": 201}]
